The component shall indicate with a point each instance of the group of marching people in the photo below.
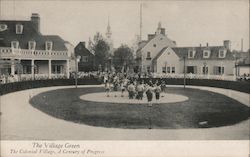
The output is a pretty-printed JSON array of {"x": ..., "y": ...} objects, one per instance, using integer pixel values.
[{"x": 135, "y": 88}]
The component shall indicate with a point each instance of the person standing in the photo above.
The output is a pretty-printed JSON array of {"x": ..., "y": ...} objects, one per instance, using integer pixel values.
[
  {"x": 131, "y": 91},
  {"x": 157, "y": 93},
  {"x": 140, "y": 90},
  {"x": 149, "y": 96},
  {"x": 107, "y": 87}
]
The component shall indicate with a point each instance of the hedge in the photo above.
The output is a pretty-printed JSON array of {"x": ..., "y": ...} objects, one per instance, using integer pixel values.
[
  {"x": 18, "y": 86},
  {"x": 241, "y": 86}
]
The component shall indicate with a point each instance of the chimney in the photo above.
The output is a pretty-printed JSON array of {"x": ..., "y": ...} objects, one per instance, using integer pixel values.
[
  {"x": 227, "y": 44},
  {"x": 151, "y": 36},
  {"x": 35, "y": 19},
  {"x": 83, "y": 43},
  {"x": 207, "y": 44},
  {"x": 200, "y": 45},
  {"x": 163, "y": 31}
]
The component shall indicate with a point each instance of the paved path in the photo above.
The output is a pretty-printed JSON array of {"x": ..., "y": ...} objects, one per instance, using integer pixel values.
[{"x": 21, "y": 121}]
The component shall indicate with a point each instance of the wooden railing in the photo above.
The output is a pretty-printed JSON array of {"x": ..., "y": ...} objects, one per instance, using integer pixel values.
[{"x": 6, "y": 52}]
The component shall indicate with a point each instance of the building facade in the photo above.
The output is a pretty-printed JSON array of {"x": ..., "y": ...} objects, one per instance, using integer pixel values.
[
  {"x": 160, "y": 55},
  {"x": 25, "y": 52},
  {"x": 150, "y": 48},
  {"x": 87, "y": 58}
]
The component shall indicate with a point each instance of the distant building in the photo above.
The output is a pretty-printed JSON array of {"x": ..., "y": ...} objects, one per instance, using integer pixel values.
[
  {"x": 109, "y": 39},
  {"x": 243, "y": 63},
  {"x": 26, "y": 52},
  {"x": 208, "y": 60},
  {"x": 160, "y": 55},
  {"x": 86, "y": 62},
  {"x": 147, "y": 50}
]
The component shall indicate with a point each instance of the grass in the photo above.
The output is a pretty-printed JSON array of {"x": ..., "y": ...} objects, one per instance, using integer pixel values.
[{"x": 203, "y": 106}]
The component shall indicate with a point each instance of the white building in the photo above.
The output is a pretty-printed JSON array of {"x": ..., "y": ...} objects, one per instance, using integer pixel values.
[
  {"x": 24, "y": 51},
  {"x": 160, "y": 55}
]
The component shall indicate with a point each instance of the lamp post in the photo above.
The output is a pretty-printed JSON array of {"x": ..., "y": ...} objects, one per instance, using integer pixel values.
[
  {"x": 77, "y": 59},
  {"x": 184, "y": 66},
  {"x": 235, "y": 66},
  {"x": 205, "y": 68}
]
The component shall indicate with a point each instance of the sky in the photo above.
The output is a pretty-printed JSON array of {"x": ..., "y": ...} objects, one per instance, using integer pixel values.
[{"x": 189, "y": 23}]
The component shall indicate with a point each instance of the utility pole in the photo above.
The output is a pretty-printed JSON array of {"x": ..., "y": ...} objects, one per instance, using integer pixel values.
[
  {"x": 141, "y": 22},
  {"x": 184, "y": 81}
]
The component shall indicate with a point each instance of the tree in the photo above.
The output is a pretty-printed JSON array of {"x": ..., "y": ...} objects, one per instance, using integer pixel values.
[
  {"x": 123, "y": 58},
  {"x": 101, "y": 50}
]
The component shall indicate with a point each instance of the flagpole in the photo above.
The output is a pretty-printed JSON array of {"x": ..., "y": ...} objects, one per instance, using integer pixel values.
[{"x": 141, "y": 22}]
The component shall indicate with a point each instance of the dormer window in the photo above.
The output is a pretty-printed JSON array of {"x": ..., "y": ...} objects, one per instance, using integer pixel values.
[
  {"x": 49, "y": 45},
  {"x": 14, "y": 44},
  {"x": 19, "y": 29},
  {"x": 191, "y": 53},
  {"x": 32, "y": 45},
  {"x": 206, "y": 53},
  {"x": 222, "y": 53}
]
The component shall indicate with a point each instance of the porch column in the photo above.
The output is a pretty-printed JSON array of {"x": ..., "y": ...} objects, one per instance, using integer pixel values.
[
  {"x": 67, "y": 68},
  {"x": 49, "y": 66},
  {"x": 32, "y": 69},
  {"x": 12, "y": 72}
]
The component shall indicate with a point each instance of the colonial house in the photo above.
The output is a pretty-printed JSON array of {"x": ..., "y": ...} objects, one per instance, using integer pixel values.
[
  {"x": 24, "y": 51},
  {"x": 147, "y": 50},
  {"x": 208, "y": 60},
  {"x": 160, "y": 55},
  {"x": 86, "y": 62}
]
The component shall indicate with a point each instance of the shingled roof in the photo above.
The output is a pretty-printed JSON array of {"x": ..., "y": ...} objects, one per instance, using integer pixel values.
[
  {"x": 29, "y": 34},
  {"x": 183, "y": 51}
]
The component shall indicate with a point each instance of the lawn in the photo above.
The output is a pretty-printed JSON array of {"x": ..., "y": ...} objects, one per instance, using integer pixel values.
[{"x": 204, "y": 109}]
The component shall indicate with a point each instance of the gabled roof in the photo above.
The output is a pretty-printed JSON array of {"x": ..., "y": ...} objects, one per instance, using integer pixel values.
[
  {"x": 29, "y": 34},
  {"x": 159, "y": 54},
  {"x": 81, "y": 49}
]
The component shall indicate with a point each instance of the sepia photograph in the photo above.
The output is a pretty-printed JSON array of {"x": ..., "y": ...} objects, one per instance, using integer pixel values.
[{"x": 124, "y": 78}]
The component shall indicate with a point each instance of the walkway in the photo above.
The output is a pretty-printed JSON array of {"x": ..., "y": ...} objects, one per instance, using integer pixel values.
[{"x": 21, "y": 121}]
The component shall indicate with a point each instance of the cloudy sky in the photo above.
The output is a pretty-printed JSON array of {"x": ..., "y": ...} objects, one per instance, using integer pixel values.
[{"x": 189, "y": 23}]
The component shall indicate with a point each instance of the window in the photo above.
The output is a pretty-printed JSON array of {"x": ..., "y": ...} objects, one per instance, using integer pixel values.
[
  {"x": 168, "y": 69},
  {"x": 19, "y": 29},
  {"x": 32, "y": 45},
  {"x": 221, "y": 54},
  {"x": 26, "y": 69},
  {"x": 206, "y": 54},
  {"x": 148, "y": 55},
  {"x": 173, "y": 70},
  {"x": 15, "y": 44},
  {"x": 205, "y": 70},
  {"x": 154, "y": 45},
  {"x": 48, "y": 45},
  {"x": 191, "y": 54},
  {"x": 163, "y": 69},
  {"x": 57, "y": 69},
  {"x": 148, "y": 69},
  {"x": 85, "y": 58},
  {"x": 218, "y": 70}
]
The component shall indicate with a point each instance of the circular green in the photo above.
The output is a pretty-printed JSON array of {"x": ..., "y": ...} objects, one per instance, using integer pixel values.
[{"x": 203, "y": 109}]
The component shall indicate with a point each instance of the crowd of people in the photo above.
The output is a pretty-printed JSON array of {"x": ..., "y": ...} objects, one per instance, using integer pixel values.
[{"x": 135, "y": 87}]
